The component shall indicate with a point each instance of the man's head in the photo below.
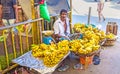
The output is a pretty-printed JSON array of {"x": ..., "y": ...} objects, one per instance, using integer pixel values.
[{"x": 63, "y": 14}]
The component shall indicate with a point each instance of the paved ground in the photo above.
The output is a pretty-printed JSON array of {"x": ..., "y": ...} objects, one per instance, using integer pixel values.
[
  {"x": 109, "y": 63},
  {"x": 111, "y": 9},
  {"x": 110, "y": 56},
  {"x": 111, "y": 12}
]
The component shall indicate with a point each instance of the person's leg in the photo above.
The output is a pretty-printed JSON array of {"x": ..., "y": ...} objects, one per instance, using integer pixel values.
[
  {"x": 99, "y": 16},
  {"x": 102, "y": 7},
  {"x": 103, "y": 17}
]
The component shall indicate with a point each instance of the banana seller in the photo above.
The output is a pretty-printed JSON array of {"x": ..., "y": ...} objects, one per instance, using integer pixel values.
[
  {"x": 62, "y": 29},
  {"x": 61, "y": 26}
]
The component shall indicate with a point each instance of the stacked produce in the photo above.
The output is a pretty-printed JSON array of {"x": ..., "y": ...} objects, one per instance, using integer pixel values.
[
  {"x": 90, "y": 41},
  {"x": 51, "y": 54},
  {"x": 110, "y": 39},
  {"x": 83, "y": 46},
  {"x": 110, "y": 36}
]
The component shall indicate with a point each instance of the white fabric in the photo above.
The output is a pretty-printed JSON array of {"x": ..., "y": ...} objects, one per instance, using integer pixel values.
[
  {"x": 102, "y": 1},
  {"x": 59, "y": 27},
  {"x": 11, "y": 21}
]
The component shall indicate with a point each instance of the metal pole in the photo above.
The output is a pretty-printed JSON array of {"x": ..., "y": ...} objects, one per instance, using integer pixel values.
[
  {"x": 89, "y": 14},
  {"x": 71, "y": 16},
  {"x": 34, "y": 24}
]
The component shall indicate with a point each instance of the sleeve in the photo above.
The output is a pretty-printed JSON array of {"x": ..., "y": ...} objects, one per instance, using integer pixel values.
[
  {"x": 56, "y": 28},
  {"x": 14, "y": 2}
]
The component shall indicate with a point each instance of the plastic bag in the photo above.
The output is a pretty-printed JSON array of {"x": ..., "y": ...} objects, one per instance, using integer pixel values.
[{"x": 44, "y": 12}]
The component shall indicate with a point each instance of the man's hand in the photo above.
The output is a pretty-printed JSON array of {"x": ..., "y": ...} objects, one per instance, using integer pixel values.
[
  {"x": 66, "y": 37},
  {"x": 16, "y": 21}
]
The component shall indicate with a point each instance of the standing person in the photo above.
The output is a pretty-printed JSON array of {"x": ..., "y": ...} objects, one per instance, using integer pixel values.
[
  {"x": 9, "y": 14},
  {"x": 62, "y": 29},
  {"x": 100, "y": 9}
]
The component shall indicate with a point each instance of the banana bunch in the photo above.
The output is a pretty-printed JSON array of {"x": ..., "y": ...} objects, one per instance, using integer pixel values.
[
  {"x": 90, "y": 32},
  {"x": 48, "y": 32},
  {"x": 51, "y": 54},
  {"x": 37, "y": 51},
  {"x": 78, "y": 27},
  {"x": 54, "y": 57},
  {"x": 110, "y": 36},
  {"x": 83, "y": 46}
]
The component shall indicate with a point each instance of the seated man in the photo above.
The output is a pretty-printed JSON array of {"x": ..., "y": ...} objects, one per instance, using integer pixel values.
[
  {"x": 62, "y": 26},
  {"x": 62, "y": 29}
]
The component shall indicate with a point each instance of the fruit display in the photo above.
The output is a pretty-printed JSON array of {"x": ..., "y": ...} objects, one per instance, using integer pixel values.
[
  {"x": 83, "y": 46},
  {"x": 110, "y": 36},
  {"x": 51, "y": 54},
  {"x": 92, "y": 37},
  {"x": 110, "y": 39},
  {"x": 87, "y": 44},
  {"x": 48, "y": 32}
]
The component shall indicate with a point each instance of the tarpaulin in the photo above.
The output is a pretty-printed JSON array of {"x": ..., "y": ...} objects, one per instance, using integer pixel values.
[{"x": 54, "y": 6}]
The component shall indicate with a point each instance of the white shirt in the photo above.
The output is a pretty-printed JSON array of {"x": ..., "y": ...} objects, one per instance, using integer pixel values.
[
  {"x": 102, "y": 1},
  {"x": 59, "y": 27}
]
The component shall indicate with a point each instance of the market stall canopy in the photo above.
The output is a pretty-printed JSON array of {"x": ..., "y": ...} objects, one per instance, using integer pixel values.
[{"x": 54, "y": 6}]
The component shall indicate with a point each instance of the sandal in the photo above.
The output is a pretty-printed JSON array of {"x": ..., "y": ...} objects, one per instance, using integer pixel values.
[
  {"x": 96, "y": 60},
  {"x": 63, "y": 68},
  {"x": 78, "y": 66}
]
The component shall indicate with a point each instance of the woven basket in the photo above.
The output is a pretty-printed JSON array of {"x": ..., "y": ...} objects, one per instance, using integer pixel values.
[
  {"x": 90, "y": 54},
  {"x": 109, "y": 42}
]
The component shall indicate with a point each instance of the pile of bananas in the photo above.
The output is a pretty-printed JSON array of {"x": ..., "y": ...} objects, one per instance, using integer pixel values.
[
  {"x": 110, "y": 36},
  {"x": 48, "y": 32},
  {"x": 91, "y": 39},
  {"x": 38, "y": 50},
  {"x": 83, "y": 46},
  {"x": 51, "y": 54},
  {"x": 89, "y": 32}
]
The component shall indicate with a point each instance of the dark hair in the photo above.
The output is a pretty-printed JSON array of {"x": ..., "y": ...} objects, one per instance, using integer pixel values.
[{"x": 63, "y": 10}]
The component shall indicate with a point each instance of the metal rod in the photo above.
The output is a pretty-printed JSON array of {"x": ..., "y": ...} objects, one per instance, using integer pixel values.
[
  {"x": 71, "y": 16},
  {"x": 89, "y": 14},
  {"x": 17, "y": 24},
  {"x": 6, "y": 50},
  {"x": 13, "y": 44},
  {"x": 27, "y": 41},
  {"x": 21, "y": 49}
]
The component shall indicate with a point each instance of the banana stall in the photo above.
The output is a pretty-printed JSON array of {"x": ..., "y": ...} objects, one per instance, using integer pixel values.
[{"x": 85, "y": 41}]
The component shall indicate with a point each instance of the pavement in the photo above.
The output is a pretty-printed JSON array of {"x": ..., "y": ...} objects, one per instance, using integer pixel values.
[
  {"x": 110, "y": 56},
  {"x": 111, "y": 12},
  {"x": 109, "y": 63}
]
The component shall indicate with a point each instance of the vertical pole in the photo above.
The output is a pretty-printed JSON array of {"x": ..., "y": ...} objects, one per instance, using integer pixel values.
[
  {"x": 6, "y": 51},
  {"x": 70, "y": 16},
  {"x": 89, "y": 14},
  {"x": 34, "y": 26},
  {"x": 40, "y": 26}
]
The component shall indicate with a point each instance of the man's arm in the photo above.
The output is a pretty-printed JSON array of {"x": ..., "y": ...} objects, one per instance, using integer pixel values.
[
  {"x": 0, "y": 12},
  {"x": 56, "y": 29},
  {"x": 16, "y": 9},
  {"x": 16, "y": 12}
]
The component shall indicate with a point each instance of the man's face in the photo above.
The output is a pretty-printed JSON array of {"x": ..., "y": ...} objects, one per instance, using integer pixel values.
[{"x": 63, "y": 16}]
